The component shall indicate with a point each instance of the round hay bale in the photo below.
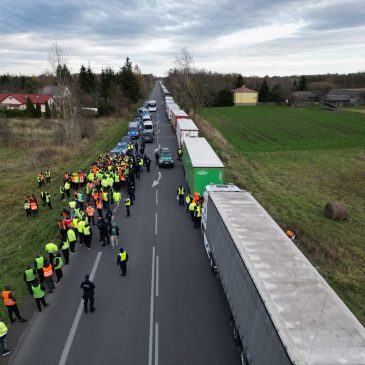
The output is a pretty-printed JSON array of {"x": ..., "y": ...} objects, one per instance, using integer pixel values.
[{"x": 336, "y": 211}]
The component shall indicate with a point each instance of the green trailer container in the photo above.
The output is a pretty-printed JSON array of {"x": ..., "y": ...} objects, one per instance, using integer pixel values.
[{"x": 201, "y": 164}]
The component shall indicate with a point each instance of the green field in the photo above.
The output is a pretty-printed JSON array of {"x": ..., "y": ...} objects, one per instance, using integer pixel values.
[{"x": 294, "y": 161}]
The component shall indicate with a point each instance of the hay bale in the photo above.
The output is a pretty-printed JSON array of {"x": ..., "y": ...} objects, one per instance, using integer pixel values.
[{"x": 336, "y": 211}]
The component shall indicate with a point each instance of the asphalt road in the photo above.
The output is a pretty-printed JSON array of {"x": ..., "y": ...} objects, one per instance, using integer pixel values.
[{"x": 168, "y": 309}]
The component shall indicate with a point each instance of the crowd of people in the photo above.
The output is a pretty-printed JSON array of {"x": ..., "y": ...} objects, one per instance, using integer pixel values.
[{"x": 194, "y": 204}]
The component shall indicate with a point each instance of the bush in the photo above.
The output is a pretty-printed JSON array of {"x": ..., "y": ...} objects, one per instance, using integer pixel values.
[
  {"x": 13, "y": 113},
  {"x": 225, "y": 98}
]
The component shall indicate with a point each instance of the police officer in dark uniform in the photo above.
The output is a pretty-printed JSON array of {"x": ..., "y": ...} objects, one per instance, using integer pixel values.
[{"x": 88, "y": 295}]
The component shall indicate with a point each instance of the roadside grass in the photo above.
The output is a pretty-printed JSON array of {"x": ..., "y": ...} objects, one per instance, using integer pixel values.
[
  {"x": 35, "y": 147},
  {"x": 294, "y": 161}
]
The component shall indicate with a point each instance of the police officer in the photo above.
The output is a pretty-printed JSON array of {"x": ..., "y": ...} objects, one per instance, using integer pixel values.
[
  {"x": 38, "y": 294},
  {"x": 127, "y": 203},
  {"x": 28, "y": 276},
  {"x": 3, "y": 331},
  {"x": 38, "y": 265},
  {"x": 88, "y": 295},
  {"x": 188, "y": 200},
  {"x": 10, "y": 304},
  {"x": 180, "y": 194},
  {"x": 122, "y": 261},
  {"x": 65, "y": 247},
  {"x": 58, "y": 263}
]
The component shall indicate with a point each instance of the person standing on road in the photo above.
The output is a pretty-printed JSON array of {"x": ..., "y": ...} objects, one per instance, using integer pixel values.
[
  {"x": 51, "y": 248},
  {"x": 90, "y": 214},
  {"x": 180, "y": 194},
  {"x": 71, "y": 237},
  {"x": 127, "y": 203},
  {"x": 88, "y": 287},
  {"x": 38, "y": 294},
  {"x": 3, "y": 331},
  {"x": 38, "y": 265},
  {"x": 122, "y": 261},
  {"x": 114, "y": 233},
  {"x": 58, "y": 263},
  {"x": 10, "y": 304},
  {"x": 48, "y": 276},
  {"x": 88, "y": 234},
  {"x": 28, "y": 276},
  {"x": 188, "y": 200},
  {"x": 65, "y": 248}
]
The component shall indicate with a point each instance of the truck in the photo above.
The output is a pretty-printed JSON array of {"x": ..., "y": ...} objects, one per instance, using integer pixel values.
[
  {"x": 177, "y": 114},
  {"x": 185, "y": 128},
  {"x": 281, "y": 309},
  {"x": 169, "y": 108},
  {"x": 201, "y": 165}
]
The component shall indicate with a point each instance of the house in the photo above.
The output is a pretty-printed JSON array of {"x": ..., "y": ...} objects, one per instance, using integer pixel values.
[
  {"x": 58, "y": 93},
  {"x": 245, "y": 96},
  {"x": 19, "y": 101},
  {"x": 303, "y": 98},
  {"x": 344, "y": 97}
]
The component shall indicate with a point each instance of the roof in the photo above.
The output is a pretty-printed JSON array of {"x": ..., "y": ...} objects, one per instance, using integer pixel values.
[
  {"x": 22, "y": 98},
  {"x": 201, "y": 153},
  {"x": 244, "y": 89},
  {"x": 178, "y": 113},
  {"x": 337, "y": 98},
  {"x": 313, "y": 323},
  {"x": 303, "y": 94},
  {"x": 55, "y": 90},
  {"x": 352, "y": 93},
  {"x": 187, "y": 124}
]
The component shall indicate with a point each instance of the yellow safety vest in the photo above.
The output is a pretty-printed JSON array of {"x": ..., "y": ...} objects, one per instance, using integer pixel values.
[
  {"x": 123, "y": 256},
  {"x": 3, "y": 329}
]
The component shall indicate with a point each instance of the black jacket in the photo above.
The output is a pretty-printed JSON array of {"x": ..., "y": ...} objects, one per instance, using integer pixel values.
[{"x": 88, "y": 288}]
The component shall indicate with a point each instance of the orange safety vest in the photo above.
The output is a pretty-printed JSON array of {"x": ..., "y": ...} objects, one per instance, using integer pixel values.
[
  {"x": 7, "y": 301},
  {"x": 47, "y": 271},
  {"x": 33, "y": 206},
  {"x": 90, "y": 211},
  {"x": 99, "y": 204},
  {"x": 96, "y": 195}
]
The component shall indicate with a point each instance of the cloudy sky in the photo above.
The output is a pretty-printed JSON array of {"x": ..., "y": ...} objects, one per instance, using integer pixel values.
[{"x": 252, "y": 37}]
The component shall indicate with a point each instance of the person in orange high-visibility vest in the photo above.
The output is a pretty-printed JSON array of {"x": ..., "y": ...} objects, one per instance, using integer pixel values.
[
  {"x": 99, "y": 207},
  {"x": 90, "y": 214},
  {"x": 10, "y": 304},
  {"x": 196, "y": 197},
  {"x": 48, "y": 276}
]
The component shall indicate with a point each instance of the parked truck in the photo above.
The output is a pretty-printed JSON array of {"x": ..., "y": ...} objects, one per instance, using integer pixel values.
[
  {"x": 201, "y": 165},
  {"x": 185, "y": 128},
  {"x": 282, "y": 311},
  {"x": 177, "y": 114}
]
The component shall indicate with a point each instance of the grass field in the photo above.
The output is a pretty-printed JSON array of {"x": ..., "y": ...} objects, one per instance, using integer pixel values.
[
  {"x": 35, "y": 147},
  {"x": 294, "y": 161}
]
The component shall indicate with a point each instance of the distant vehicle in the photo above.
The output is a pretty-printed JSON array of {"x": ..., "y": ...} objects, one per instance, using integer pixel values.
[
  {"x": 133, "y": 130},
  {"x": 152, "y": 105},
  {"x": 145, "y": 104},
  {"x": 164, "y": 157},
  {"x": 114, "y": 152},
  {"x": 143, "y": 111},
  {"x": 122, "y": 146},
  {"x": 147, "y": 136},
  {"x": 148, "y": 126},
  {"x": 146, "y": 118}
]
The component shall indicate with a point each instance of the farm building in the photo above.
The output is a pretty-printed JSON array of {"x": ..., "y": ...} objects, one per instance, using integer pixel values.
[
  {"x": 303, "y": 98},
  {"x": 19, "y": 101},
  {"x": 344, "y": 97},
  {"x": 245, "y": 96}
]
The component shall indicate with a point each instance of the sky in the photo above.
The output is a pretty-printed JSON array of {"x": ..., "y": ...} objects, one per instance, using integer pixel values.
[{"x": 251, "y": 37}]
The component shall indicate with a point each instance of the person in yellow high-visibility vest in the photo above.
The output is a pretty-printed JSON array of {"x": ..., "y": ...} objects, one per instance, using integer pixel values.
[
  {"x": 3, "y": 331},
  {"x": 122, "y": 261}
]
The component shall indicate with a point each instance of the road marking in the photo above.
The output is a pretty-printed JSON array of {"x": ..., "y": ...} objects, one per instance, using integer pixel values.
[
  {"x": 156, "y": 197},
  {"x": 76, "y": 321},
  {"x": 156, "y": 182},
  {"x": 156, "y": 343},
  {"x": 150, "y": 349},
  {"x": 156, "y": 216},
  {"x": 157, "y": 274}
]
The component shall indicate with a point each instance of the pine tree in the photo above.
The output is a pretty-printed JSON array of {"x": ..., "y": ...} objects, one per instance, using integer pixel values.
[
  {"x": 30, "y": 108},
  {"x": 302, "y": 84},
  {"x": 225, "y": 98},
  {"x": 83, "y": 82},
  {"x": 129, "y": 81},
  {"x": 38, "y": 111},
  {"x": 239, "y": 81},
  {"x": 264, "y": 92},
  {"x": 91, "y": 80},
  {"x": 48, "y": 111}
]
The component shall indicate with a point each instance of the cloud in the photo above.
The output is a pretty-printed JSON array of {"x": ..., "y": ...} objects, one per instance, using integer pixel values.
[{"x": 251, "y": 37}]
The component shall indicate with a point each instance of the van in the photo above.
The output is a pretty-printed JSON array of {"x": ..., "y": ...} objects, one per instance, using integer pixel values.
[
  {"x": 146, "y": 118},
  {"x": 148, "y": 126},
  {"x": 152, "y": 106}
]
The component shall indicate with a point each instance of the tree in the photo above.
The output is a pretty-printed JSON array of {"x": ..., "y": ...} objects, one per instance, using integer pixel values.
[
  {"x": 129, "y": 81},
  {"x": 264, "y": 92},
  {"x": 302, "y": 86},
  {"x": 30, "y": 108},
  {"x": 107, "y": 79},
  {"x": 83, "y": 78},
  {"x": 275, "y": 94},
  {"x": 239, "y": 81},
  {"x": 225, "y": 98},
  {"x": 104, "y": 107},
  {"x": 29, "y": 87},
  {"x": 38, "y": 111},
  {"x": 48, "y": 111}
]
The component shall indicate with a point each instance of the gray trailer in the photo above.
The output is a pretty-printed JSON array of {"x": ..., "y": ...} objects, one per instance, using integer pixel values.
[{"x": 282, "y": 310}]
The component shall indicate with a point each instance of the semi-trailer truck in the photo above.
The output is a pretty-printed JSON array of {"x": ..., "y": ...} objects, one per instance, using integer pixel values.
[{"x": 281, "y": 309}]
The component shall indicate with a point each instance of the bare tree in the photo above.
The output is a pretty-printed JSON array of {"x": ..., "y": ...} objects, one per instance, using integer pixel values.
[{"x": 69, "y": 105}]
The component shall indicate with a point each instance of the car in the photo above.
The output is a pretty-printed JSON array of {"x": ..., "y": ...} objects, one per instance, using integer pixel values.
[
  {"x": 143, "y": 111},
  {"x": 133, "y": 130},
  {"x": 146, "y": 118},
  {"x": 114, "y": 152},
  {"x": 164, "y": 157},
  {"x": 147, "y": 136},
  {"x": 122, "y": 146},
  {"x": 148, "y": 126},
  {"x": 152, "y": 106}
]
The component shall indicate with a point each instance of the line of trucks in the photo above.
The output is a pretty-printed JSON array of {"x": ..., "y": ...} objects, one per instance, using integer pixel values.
[{"x": 281, "y": 309}]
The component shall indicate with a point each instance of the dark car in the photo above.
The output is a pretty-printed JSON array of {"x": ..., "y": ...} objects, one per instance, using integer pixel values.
[
  {"x": 164, "y": 157},
  {"x": 133, "y": 130},
  {"x": 147, "y": 135}
]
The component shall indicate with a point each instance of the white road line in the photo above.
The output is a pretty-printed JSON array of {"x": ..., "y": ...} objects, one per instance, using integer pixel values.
[
  {"x": 157, "y": 274},
  {"x": 150, "y": 349},
  {"x": 156, "y": 197},
  {"x": 156, "y": 343},
  {"x": 156, "y": 216},
  {"x": 76, "y": 321}
]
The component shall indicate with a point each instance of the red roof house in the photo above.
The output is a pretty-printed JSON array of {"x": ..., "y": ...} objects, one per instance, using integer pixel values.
[{"x": 19, "y": 101}]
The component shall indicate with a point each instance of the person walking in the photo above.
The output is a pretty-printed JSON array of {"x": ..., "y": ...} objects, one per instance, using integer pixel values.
[
  {"x": 88, "y": 295},
  {"x": 197, "y": 216},
  {"x": 71, "y": 237},
  {"x": 58, "y": 263},
  {"x": 114, "y": 233},
  {"x": 3, "y": 331},
  {"x": 88, "y": 234},
  {"x": 51, "y": 248},
  {"x": 122, "y": 260},
  {"x": 103, "y": 231},
  {"x": 180, "y": 194},
  {"x": 188, "y": 200},
  {"x": 48, "y": 176},
  {"x": 80, "y": 229},
  {"x": 90, "y": 214},
  {"x": 62, "y": 192},
  {"x": 72, "y": 204},
  {"x": 127, "y": 203},
  {"x": 29, "y": 275},
  {"x": 38, "y": 265},
  {"x": 117, "y": 196},
  {"x": 48, "y": 200},
  {"x": 67, "y": 188},
  {"x": 10, "y": 304},
  {"x": 48, "y": 276},
  {"x": 65, "y": 248},
  {"x": 38, "y": 294}
]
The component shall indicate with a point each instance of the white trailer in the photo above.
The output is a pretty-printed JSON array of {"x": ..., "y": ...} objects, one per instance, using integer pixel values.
[
  {"x": 169, "y": 108},
  {"x": 185, "y": 128},
  {"x": 282, "y": 310}
]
